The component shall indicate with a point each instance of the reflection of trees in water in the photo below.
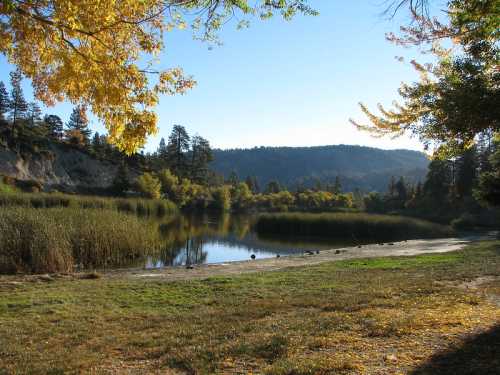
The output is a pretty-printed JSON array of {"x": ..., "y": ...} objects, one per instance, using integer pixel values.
[
  {"x": 184, "y": 237},
  {"x": 175, "y": 254}
]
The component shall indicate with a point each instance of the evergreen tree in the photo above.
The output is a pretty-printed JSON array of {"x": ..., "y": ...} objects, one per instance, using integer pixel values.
[
  {"x": 466, "y": 173},
  {"x": 177, "y": 148},
  {"x": 233, "y": 179},
  {"x": 201, "y": 155},
  {"x": 162, "y": 149},
  {"x": 17, "y": 103},
  {"x": 4, "y": 101},
  {"x": 77, "y": 126},
  {"x": 392, "y": 187},
  {"x": 250, "y": 184},
  {"x": 55, "y": 127},
  {"x": 121, "y": 182},
  {"x": 256, "y": 185},
  {"x": 97, "y": 145},
  {"x": 34, "y": 114},
  {"x": 401, "y": 189},
  {"x": 337, "y": 188},
  {"x": 438, "y": 181},
  {"x": 489, "y": 182},
  {"x": 273, "y": 187}
]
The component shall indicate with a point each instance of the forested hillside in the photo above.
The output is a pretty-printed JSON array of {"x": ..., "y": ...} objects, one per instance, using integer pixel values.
[{"x": 366, "y": 168}]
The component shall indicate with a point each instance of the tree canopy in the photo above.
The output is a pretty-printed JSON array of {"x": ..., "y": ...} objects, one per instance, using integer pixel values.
[
  {"x": 456, "y": 99},
  {"x": 102, "y": 53}
]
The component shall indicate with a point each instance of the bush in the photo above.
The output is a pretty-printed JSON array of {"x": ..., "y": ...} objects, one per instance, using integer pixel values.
[{"x": 149, "y": 186}]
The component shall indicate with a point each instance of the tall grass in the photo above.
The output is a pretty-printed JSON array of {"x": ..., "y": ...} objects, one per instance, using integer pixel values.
[
  {"x": 349, "y": 226},
  {"x": 142, "y": 207},
  {"x": 62, "y": 239}
]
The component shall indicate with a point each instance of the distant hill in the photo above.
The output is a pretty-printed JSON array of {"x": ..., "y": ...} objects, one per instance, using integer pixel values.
[{"x": 366, "y": 168}]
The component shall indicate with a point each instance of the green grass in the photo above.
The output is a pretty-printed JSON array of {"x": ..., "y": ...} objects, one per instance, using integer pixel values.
[
  {"x": 58, "y": 239},
  {"x": 352, "y": 226},
  {"x": 333, "y": 318},
  {"x": 142, "y": 207}
]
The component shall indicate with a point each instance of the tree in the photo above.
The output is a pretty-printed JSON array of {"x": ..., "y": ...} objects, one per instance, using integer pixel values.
[
  {"x": 466, "y": 174},
  {"x": 77, "y": 126},
  {"x": 438, "y": 181},
  {"x": 34, "y": 114},
  {"x": 233, "y": 179},
  {"x": 337, "y": 187},
  {"x": 177, "y": 148},
  {"x": 55, "y": 127},
  {"x": 401, "y": 189},
  {"x": 4, "y": 101},
  {"x": 456, "y": 98},
  {"x": 250, "y": 183},
  {"x": 222, "y": 198},
  {"x": 149, "y": 186},
  {"x": 201, "y": 156},
  {"x": 18, "y": 105},
  {"x": 121, "y": 182},
  {"x": 89, "y": 52},
  {"x": 273, "y": 187},
  {"x": 488, "y": 190},
  {"x": 163, "y": 150},
  {"x": 392, "y": 187},
  {"x": 169, "y": 183}
]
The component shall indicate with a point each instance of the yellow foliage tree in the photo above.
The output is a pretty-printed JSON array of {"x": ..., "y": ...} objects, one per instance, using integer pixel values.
[{"x": 89, "y": 52}]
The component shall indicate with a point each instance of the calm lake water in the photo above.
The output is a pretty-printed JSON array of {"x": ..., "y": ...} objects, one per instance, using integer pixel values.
[{"x": 212, "y": 239}]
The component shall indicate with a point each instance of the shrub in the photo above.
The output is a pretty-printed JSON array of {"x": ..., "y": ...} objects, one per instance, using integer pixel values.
[{"x": 149, "y": 186}]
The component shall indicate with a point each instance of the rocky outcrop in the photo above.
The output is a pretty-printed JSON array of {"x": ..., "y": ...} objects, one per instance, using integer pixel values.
[{"x": 59, "y": 167}]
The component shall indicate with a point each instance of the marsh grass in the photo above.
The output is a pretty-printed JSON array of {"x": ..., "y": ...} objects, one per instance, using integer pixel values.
[
  {"x": 352, "y": 226},
  {"x": 62, "y": 239},
  {"x": 141, "y": 207}
]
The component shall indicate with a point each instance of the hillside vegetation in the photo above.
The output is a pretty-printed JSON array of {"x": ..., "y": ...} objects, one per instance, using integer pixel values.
[{"x": 365, "y": 168}]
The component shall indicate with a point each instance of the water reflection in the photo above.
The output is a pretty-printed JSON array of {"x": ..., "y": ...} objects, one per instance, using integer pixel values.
[{"x": 190, "y": 240}]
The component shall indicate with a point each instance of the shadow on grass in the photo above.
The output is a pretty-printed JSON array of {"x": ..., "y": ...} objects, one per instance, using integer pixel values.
[{"x": 478, "y": 355}]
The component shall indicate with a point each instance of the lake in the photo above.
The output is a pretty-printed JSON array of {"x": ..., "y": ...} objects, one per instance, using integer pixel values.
[{"x": 227, "y": 238}]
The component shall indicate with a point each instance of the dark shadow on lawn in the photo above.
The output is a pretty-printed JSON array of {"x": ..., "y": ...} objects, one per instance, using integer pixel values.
[{"x": 479, "y": 355}]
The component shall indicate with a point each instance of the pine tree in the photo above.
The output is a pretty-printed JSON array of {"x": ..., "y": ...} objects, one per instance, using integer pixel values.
[
  {"x": 34, "y": 114},
  {"x": 337, "y": 188},
  {"x": 121, "y": 182},
  {"x": 17, "y": 103},
  {"x": 392, "y": 187},
  {"x": 77, "y": 126},
  {"x": 273, "y": 187},
  {"x": 249, "y": 182},
  {"x": 4, "y": 101},
  {"x": 489, "y": 182},
  {"x": 55, "y": 127},
  {"x": 201, "y": 155},
  {"x": 162, "y": 149},
  {"x": 177, "y": 148},
  {"x": 401, "y": 189},
  {"x": 438, "y": 181},
  {"x": 466, "y": 175},
  {"x": 233, "y": 179}
]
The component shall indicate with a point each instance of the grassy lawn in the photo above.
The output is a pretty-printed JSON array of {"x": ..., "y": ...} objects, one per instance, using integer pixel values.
[{"x": 376, "y": 316}]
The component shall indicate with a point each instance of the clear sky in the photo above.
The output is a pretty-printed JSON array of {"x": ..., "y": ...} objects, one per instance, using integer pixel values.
[{"x": 282, "y": 83}]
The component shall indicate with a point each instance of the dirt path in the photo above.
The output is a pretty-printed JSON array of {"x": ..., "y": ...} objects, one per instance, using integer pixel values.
[{"x": 405, "y": 248}]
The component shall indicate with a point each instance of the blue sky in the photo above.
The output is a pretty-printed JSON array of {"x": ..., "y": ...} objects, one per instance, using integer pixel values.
[{"x": 282, "y": 83}]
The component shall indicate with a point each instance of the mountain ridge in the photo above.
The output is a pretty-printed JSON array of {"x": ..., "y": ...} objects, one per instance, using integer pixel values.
[{"x": 359, "y": 167}]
